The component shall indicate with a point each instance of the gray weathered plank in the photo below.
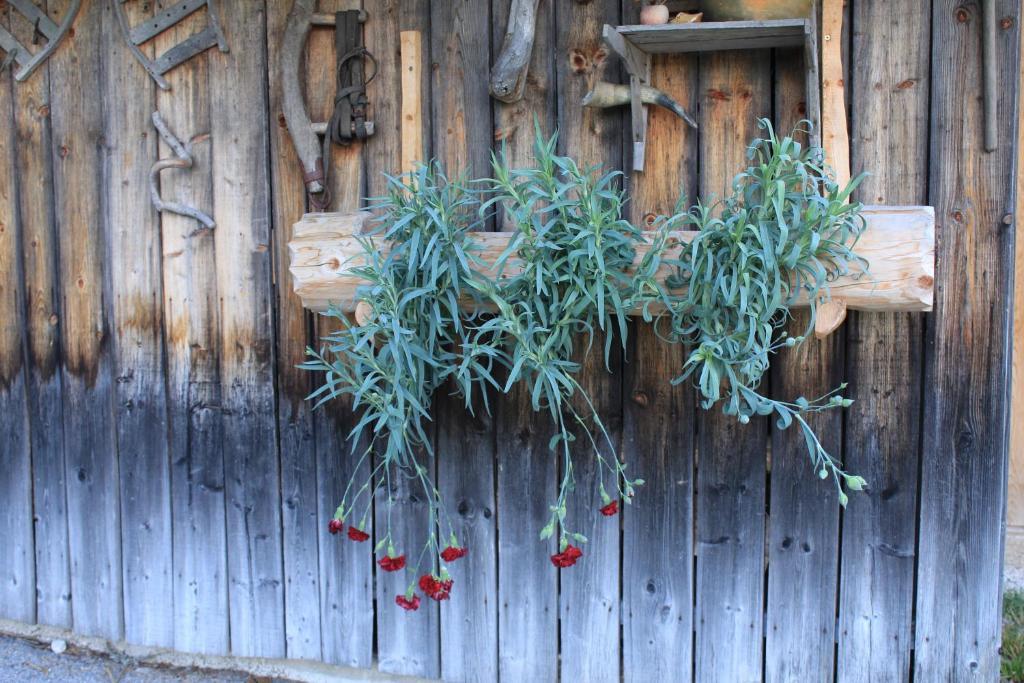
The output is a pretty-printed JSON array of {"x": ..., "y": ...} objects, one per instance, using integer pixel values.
[
  {"x": 140, "y": 405},
  {"x": 526, "y": 467},
  {"x": 803, "y": 519},
  {"x": 715, "y": 36},
  {"x": 963, "y": 486},
  {"x": 17, "y": 575},
  {"x": 241, "y": 207},
  {"x": 731, "y": 456},
  {"x": 45, "y": 404},
  {"x": 589, "y": 591},
  {"x": 299, "y": 518},
  {"x": 462, "y": 133},
  {"x": 883, "y": 432},
  {"x": 658, "y": 424},
  {"x": 91, "y": 462},
  {"x": 191, "y": 317}
]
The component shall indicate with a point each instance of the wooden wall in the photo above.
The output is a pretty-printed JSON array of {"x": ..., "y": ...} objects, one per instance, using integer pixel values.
[{"x": 163, "y": 481}]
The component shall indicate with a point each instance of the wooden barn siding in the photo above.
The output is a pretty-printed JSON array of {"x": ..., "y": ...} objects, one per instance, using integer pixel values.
[{"x": 164, "y": 482}]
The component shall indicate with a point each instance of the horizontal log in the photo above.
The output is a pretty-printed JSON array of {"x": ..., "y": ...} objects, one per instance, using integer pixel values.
[{"x": 899, "y": 244}]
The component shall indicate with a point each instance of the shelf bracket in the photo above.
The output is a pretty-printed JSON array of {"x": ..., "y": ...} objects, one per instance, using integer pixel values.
[{"x": 638, "y": 66}]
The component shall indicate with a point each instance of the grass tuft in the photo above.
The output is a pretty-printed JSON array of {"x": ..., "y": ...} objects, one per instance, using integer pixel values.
[{"x": 1013, "y": 636}]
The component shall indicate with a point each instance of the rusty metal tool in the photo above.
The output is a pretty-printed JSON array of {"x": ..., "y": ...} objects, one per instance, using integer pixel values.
[
  {"x": 163, "y": 20},
  {"x": 348, "y": 120},
  {"x": 182, "y": 159},
  {"x": 45, "y": 27},
  {"x": 303, "y": 131},
  {"x": 508, "y": 75}
]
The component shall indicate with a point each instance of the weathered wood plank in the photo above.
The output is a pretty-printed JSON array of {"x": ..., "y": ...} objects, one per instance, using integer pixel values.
[
  {"x": 140, "y": 402},
  {"x": 731, "y": 457},
  {"x": 963, "y": 485},
  {"x": 191, "y": 315},
  {"x": 17, "y": 574},
  {"x": 658, "y": 424},
  {"x": 241, "y": 203},
  {"x": 407, "y": 642},
  {"x": 589, "y": 592},
  {"x": 715, "y": 36},
  {"x": 45, "y": 394},
  {"x": 890, "y": 72},
  {"x": 462, "y": 134},
  {"x": 91, "y": 462},
  {"x": 299, "y": 514},
  {"x": 803, "y": 519},
  {"x": 526, "y": 467}
]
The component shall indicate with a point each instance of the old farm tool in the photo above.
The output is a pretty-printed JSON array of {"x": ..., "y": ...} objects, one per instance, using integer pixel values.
[
  {"x": 45, "y": 28},
  {"x": 182, "y": 159},
  {"x": 163, "y": 20},
  {"x": 349, "y": 119}
]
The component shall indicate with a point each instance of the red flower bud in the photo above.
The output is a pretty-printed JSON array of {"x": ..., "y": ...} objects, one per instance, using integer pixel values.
[
  {"x": 357, "y": 535},
  {"x": 567, "y": 557},
  {"x": 452, "y": 553},
  {"x": 407, "y": 604},
  {"x": 610, "y": 509},
  {"x": 335, "y": 526},
  {"x": 435, "y": 588},
  {"x": 391, "y": 564}
]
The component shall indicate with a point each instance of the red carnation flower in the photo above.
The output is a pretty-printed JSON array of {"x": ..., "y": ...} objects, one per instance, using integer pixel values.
[
  {"x": 407, "y": 604},
  {"x": 391, "y": 564},
  {"x": 452, "y": 553},
  {"x": 567, "y": 557},
  {"x": 357, "y": 535},
  {"x": 435, "y": 588},
  {"x": 610, "y": 509},
  {"x": 335, "y": 526}
]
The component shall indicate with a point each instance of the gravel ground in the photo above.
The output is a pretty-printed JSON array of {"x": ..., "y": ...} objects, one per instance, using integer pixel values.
[{"x": 25, "y": 661}]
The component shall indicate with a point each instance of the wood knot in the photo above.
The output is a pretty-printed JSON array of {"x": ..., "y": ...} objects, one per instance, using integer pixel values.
[
  {"x": 1006, "y": 23},
  {"x": 649, "y": 219},
  {"x": 578, "y": 61},
  {"x": 962, "y": 14},
  {"x": 64, "y": 151},
  {"x": 718, "y": 95},
  {"x": 958, "y": 216},
  {"x": 281, "y": 121},
  {"x": 44, "y": 110},
  {"x": 641, "y": 399},
  {"x": 906, "y": 83},
  {"x": 926, "y": 281}
]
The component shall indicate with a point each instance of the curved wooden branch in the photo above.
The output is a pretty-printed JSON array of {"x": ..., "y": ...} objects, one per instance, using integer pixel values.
[
  {"x": 508, "y": 75},
  {"x": 299, "y": 126}
]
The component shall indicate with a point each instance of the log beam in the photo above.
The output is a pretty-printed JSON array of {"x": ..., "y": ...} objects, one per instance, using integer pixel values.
[{"x": 899, "y": 244}]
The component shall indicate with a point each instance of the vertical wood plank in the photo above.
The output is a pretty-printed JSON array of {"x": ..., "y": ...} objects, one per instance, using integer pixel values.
[
  {"x": 299, "y": 515},
  {"x": 191, "y": 315},
  {"x": 17, "y": 574},
  {"x": 462, "y": 133},
  {"x": 33, "y": 160},
  {"x": 91, "y": 462},
  {"x": 407, "y": 642},
  {"x": 140, "y": 405},
  {"x": 890, "y": 73},
  {"x": 526, "y": 467},
  {"x": 589, "y": 595},
  {"x": 241, "y": 203},
  {"x": 731, "y": 457},
  {"x": 1014, "y": 550},
  {"x": 803, "y": 520},
  {"x": 658, "y": 425},
  {"x": 346, "y": 572},
  {"x": 963, "y": 486}
]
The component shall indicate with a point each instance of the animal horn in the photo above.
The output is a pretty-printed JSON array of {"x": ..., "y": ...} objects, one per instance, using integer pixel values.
[{"x": 606, "y": 95}]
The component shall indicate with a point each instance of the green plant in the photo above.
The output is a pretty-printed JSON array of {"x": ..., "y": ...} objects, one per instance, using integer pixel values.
[{"x": 442, "y": 316}]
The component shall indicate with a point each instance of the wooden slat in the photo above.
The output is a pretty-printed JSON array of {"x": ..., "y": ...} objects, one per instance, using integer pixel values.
[
  {"x": 140, "y": 401},
  {"x": 834, "y": 131},
  {"x": 731, "y": 457},
  {"x": 241, "y": 208},
  {"x": 191, "y": 315},
  {"x": 462, "y": 134},
  {"x": 91, "y": 455},
  {"x": 346, "y": 571},
  {"x": 17, "y": 575},
  {"x": 33, "y": 160},
  {"x": 526, "y": 467},
  {"x": 299, "y": 510},
  {"x": 658, "y": 428},
  {"x": 589, "y": 592},
  {"x": 714, "y": 36},
  {"x": 407, "y": 642},
  {"x": 958, "y": 620},
  {"x": 1014, "y": 552},
  {"x": 883, "y": 432}
]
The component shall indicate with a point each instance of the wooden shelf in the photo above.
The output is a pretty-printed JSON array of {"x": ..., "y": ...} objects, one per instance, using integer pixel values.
[
  {"x": 635, "y": 44},
  {"x": 713, "y": 36}
]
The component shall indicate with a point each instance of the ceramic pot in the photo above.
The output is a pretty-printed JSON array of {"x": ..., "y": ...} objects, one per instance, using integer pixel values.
[
  {"x": 654, "y": 14},
  {"x": 735, "y": 10}
]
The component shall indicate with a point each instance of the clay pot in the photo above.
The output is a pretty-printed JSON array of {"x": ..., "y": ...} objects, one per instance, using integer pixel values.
[
  {"x": 654, "y": 14},
  {"x": 759, "y": 10}
]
